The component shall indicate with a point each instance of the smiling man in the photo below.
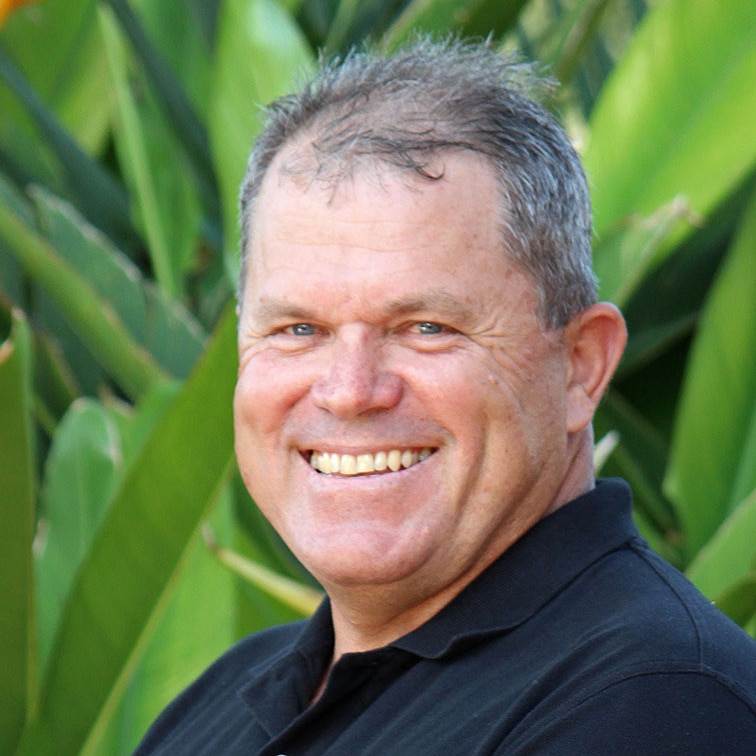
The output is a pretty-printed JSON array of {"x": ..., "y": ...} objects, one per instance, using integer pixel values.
[{"x": 420, "y": 357}]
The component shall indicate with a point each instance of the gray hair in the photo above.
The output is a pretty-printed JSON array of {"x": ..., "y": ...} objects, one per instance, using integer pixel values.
[{"x": 431, "y": 97}]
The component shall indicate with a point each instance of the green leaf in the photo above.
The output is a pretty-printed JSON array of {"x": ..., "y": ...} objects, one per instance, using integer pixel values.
[
  {"x": 94, "y": 190},
  {"x": 666, "y": 305},
  {"x": 185, "y": 641},
  {"x": 181, "y": 37},
  {"x": 579, "y": 31},
  {"x": 640, "y": 454},
  {"x": 471, "y": 17},
  {"x": 161, "y": 184},
  {"x": 165, "y": 328},
  {"x": 676, "y": 116},
  {"x": 139, "y": 547},
  {"x": 730, "y": 554},
  {"x": 82, "y": 469},
  {"x": 18, "y": 671},
  {"x": 713, "y": 456},
  {"x": 94, "y": 318},
  {"x": 178, "y": 39},
  {"x": 739, "y": 601},
  {"x": 13, "y": 290},
  {"x": 89, "y": 454},
  {"x": 629, "y": 251},
  {"x": 69, "y": 76},
  {"x": 264, "y": 36},
  {"x": 299, "y": 597}
]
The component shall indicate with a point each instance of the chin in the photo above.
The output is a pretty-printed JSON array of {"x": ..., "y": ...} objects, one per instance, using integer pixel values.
[{"x": 362, "y": 561}]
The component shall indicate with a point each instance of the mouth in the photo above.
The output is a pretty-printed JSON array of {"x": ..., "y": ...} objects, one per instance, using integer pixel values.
[{"x": 380, "y": 462}]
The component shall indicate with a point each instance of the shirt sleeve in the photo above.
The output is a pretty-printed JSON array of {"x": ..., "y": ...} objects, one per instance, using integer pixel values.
[{"x": 653, "y": 714}]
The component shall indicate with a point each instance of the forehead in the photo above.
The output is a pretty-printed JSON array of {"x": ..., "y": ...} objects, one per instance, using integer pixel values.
[
  {"x": 297, "y": 183},
  {"x": 379, "y": 233}
]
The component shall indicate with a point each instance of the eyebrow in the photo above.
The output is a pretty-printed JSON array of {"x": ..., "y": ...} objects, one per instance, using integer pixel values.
[
  {"x": 436, "y": 302},
  {"x": 279, "y": 309}
]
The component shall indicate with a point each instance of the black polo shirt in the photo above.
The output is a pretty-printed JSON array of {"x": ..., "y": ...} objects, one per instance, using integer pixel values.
[{"x": 578, "y": 640}]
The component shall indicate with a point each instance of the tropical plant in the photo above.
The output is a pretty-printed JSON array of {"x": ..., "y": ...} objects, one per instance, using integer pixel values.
[{"x": 124, "y": 128}]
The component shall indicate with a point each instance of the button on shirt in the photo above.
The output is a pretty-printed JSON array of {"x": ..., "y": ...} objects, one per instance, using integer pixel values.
[{"x": 578, "y": 640}]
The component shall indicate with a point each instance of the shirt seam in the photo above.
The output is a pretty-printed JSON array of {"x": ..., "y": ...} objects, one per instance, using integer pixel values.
[
  {"x": 638, "y": 547},
  {"x": 665, "y": 669}
]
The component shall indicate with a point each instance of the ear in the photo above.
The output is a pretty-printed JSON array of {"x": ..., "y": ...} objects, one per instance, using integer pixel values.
[{"x": 595, "y": 340}]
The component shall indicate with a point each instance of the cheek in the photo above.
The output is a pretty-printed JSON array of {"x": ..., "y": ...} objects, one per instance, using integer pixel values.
[
  {"x": 251, "y": 417},
  {"x": 257, "y": 425},
  {"x": 266, "y": 391},
  {"x": 245, "y": 432},
  {"x": 524, "y": 410}
]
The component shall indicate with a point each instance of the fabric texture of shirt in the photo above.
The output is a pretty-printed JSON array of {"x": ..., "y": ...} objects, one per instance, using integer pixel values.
[{"x": 577, "y": 640}]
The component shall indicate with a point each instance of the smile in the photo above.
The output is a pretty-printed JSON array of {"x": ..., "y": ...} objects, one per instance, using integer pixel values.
[{"x": 392, "y": 460}]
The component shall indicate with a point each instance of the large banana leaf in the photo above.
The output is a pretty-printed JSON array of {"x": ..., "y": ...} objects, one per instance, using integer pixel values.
[
  {"x": 133, "y": 331},
  {"x": 196, "y": 626},
  {"x": 70, "y": 76},
  {"x": 713, "y": 458},
  {"x": 137, "y": 551},
  {"x": 182, "y": 46},
  {"x": 90, "y": 452},
  {"x": 730, "y": 554},
  {"x": 18, "y": 671},
  {"x": 91, "y": 186},
  {"x": 471, "y": 17},
  {"x": 264, "y": 36},
  {"x": 675, "y": 119},
  {"x": 160, "y": 179}
]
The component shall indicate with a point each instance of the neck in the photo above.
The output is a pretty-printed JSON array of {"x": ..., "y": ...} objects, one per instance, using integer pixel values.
[{"x": 375, "y": 616}]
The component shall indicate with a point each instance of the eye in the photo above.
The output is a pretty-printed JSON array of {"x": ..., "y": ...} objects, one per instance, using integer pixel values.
[
  {"x": 427, "y": 328},
  {"x": 301, "y": 329}
]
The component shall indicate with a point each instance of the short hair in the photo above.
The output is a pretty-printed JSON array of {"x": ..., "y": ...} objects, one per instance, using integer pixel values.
[{"x": 405, "y": 109}]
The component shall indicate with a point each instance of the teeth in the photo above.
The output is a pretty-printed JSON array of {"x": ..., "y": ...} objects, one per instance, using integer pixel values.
[
  {"x": 349, "y": 464},
  {"x": 365, "y": 463}
]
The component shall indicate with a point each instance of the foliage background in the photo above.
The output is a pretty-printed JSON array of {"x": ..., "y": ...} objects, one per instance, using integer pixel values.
[{"x": 124, "y": 129}]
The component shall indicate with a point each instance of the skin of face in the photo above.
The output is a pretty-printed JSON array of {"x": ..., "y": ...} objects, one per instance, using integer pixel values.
[{"x": 383, "y": 314}]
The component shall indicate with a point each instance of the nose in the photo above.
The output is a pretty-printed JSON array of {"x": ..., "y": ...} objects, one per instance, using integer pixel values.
[{"x": 355, "y": 381}]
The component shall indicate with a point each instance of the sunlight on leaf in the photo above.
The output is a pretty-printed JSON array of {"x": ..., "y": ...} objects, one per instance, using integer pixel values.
[{"x": 288, "y": 591}]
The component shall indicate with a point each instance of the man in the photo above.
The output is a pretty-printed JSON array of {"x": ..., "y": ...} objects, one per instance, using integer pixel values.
[{"x": 421, "y": 354}]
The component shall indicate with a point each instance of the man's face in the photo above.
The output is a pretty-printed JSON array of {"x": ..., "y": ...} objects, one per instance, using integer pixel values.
[{"x": 383, "y": 326}]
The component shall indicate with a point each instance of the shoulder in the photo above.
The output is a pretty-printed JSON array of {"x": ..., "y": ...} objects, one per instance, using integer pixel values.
[
  {"x": 669, "y": 610},
  {"x": 651, "y": 712},
  {"x": 647, "y": 665},
  {"x": 639, "y": 611}
]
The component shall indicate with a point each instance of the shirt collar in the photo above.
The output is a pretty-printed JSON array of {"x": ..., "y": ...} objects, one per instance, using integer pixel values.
[{"x": 530, "y": 573}]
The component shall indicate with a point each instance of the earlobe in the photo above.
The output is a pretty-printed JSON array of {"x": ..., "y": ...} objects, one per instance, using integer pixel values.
[{"x": 595, "y": 340}]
